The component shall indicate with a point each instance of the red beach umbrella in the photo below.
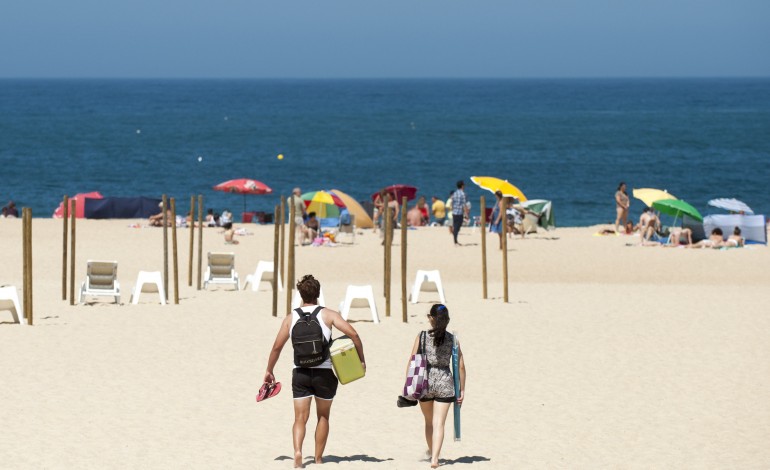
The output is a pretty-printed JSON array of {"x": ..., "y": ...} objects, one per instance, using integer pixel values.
[
  {"x": 399, "y": 190},
  {"x": 243, "y": 186}
]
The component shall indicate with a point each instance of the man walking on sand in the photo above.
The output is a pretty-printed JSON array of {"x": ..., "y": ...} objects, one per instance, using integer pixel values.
[
  {"x": 313, "y": 376},
  {"x": 459, "y": 210}
]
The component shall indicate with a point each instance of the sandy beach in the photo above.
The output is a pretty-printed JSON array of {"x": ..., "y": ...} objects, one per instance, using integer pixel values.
[{"x": 606, "y": 356}]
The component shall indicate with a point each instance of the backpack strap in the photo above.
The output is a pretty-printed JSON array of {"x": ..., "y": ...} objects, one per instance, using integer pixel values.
[{"x": 421, "y": 349}]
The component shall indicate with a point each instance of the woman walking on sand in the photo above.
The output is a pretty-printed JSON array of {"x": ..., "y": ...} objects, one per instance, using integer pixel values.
[
  {"x": 622, "y": 203},
  {"x": 437, "y": 344}
]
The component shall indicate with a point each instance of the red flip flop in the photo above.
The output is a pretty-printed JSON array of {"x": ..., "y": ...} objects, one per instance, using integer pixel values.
[{"x": 268, "y": 391}]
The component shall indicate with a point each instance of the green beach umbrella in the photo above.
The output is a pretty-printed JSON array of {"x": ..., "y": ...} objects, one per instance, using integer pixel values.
[
  {"x": 677, "y": 208},
  {"x": 544, "y": 212}
]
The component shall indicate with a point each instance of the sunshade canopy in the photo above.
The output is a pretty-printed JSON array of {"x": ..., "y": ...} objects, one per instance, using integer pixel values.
[
  {"x": 362, "y": 218},
  {"x": 399, "y": 191},
  {"x": 677, "y": 208},
  {"x": 492, "y": 184},
  {"x": 544, "y": 211},
  {"x": 650, "y": 195},
  {"x": 732, "y": 205},
  {"x": 243, "y": 186},
  {"x": 80, "y": 204}
]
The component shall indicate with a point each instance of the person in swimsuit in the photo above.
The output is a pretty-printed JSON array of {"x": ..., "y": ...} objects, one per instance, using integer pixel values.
[
  {"x": 735, "y": 240},
  {"x": 441, "y": 389},
  {"x": 715, "y": 240},
  {"x": 317, "y": 382},
  {"x": 622, "y": 203},
  {"x": 496, "y": 219},
  {"x": 680, "y": 236}
]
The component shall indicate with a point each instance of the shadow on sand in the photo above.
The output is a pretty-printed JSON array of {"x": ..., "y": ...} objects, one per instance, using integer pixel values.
[
  {"x": 338, "y": 459},
  {"x": 472, "y": 459}
]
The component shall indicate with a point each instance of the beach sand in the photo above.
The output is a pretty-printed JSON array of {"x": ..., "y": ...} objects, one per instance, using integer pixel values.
[{"x": 606, "y": 356}]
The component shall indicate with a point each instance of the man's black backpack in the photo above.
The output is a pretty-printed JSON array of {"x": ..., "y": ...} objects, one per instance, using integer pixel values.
[{"x": 310, "y": 346}]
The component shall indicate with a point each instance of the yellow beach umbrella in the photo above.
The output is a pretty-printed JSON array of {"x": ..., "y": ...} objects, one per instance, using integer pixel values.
[
  {"x": 650, "y": 195},
  {"x": 492, "y": 184}
]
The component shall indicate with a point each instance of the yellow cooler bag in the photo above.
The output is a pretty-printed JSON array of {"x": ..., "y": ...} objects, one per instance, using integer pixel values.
[{"x": 345, "y": 360}]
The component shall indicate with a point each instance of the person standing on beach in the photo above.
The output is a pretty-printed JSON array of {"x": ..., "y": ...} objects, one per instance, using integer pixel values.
[
  {"x": 437, "y": 344},
  {"x": 459, "y": 210},
  {"x": 622, "y": 203},
  {"x": 317, "y": 382},
  {"x": 439, "y": 211},
  {"x": 299, "y": 211},
  {"x": 496, "y": 223}
]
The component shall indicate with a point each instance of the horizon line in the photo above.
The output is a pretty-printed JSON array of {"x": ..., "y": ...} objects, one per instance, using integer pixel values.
[{"x": 289, "y": 78}]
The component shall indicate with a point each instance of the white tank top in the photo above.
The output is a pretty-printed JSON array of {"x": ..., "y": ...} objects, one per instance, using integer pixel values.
[{"x": 327, "y": 364}]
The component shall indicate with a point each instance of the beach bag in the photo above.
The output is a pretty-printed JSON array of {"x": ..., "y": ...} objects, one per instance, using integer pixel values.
[
  {"x": 417, "y": 377},
  {"x": 310, "y": 346}
]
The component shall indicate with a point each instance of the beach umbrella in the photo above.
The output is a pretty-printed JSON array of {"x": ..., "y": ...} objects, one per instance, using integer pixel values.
[
  {"x": 650, "y": 195},
  {"x": 732, "y": 205},
  {"x": 492, "y": 184},
  {"x": 677, "y": 208},
  {"x": 362, "y": 218},
  {"x": 399, "y": 191},
  {"x": 324, "y": 204},
  {"x": 544, "y": 212},
  {"x": 80, "y": 204},
  {"x": 243, "y": 186}
]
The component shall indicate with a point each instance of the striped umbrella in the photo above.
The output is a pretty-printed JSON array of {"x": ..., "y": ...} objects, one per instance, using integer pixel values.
[{"x": 324, "y": 204}]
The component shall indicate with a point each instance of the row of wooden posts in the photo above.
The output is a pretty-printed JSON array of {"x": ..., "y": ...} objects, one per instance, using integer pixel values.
[{"x": 279, "y": 249}]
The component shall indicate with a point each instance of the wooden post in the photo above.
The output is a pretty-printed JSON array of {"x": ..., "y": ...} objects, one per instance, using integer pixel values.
[
  {"x": 505, "y": 259},
  {"x": 175, "y": 258},
  {"x": 27, "y": 215},
  {"x": 72, "y": 252},
  {"x": 388, "y": 241},
  {"x": 290, "y": 266},
  {"x": 164, "y": 204},
  {"x": 276, "y": 246},
  {"x": 403, "y": 260},
  {"x": 483, "y": 206},
  {"x": 283, "y": 239},
  {"x": 200, "y": 239},
  {"x": 192, "y": 241},
  {"x": 65, "y": 219}
]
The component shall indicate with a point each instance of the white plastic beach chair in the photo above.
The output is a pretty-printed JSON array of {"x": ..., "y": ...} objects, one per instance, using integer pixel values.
[
  {"x": 429, "y": 281},
  {"x": 265, "y": 272},
  {"x": 9, "y": 300},
  {"x": 148, "y": 281},
  {"x": 221, "y": 270},
  {"x": 357, "y": 297},
  {"x": 101, "y": 280}
]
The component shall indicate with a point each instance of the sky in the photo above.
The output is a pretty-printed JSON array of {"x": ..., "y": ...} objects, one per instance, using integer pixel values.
[{"x": 384, "y": 39}]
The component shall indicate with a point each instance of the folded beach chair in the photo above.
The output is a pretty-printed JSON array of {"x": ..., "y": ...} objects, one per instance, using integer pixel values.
[
  {"x": 101, "y": 280},
  {"x": 221, "y": 270},
  {"x": 348, "y": 229}
]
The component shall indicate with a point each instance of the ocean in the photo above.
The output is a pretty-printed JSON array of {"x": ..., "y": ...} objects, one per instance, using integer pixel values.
[{"x": 567, "y": 140}]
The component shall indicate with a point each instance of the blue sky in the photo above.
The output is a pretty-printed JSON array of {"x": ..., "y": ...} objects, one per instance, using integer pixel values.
[{"x": 394, "y": 38}]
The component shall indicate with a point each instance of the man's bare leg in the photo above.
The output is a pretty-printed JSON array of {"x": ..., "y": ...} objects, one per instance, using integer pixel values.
[
  {"x": 323, "y": 409},
  {"x": 301, "y": 415}
]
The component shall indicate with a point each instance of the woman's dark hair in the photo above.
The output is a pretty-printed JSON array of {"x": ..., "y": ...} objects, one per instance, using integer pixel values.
[
  {"x": 228, "y": 226},
  {"x": 309, "y": 288},
  {"x": 737, "y": 231},
  {"x": 717, "y": 231},
  {"x": 440, "y": 315},
  {"x": 622, "y": 183}
]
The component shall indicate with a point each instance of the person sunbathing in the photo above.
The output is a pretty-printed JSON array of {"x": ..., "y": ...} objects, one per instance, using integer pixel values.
[
  {"x": 715, "y": 240},
  {"x": 680, "y": 236},
  {"x": 230, "y": 234},
  {"x": 733, "y": 241}
]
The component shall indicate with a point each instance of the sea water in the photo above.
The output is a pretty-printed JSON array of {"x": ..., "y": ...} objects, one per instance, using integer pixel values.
[{"x": 569, "y": 141}]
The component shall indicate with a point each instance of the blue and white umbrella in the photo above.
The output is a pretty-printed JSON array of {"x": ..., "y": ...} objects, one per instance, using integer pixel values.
[{"x": 732, "y": 205}]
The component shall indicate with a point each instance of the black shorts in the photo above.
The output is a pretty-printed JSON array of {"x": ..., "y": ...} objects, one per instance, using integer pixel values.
[
  {"x": 313, "y": 382},
  {"x": 440, "y": 399}
]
